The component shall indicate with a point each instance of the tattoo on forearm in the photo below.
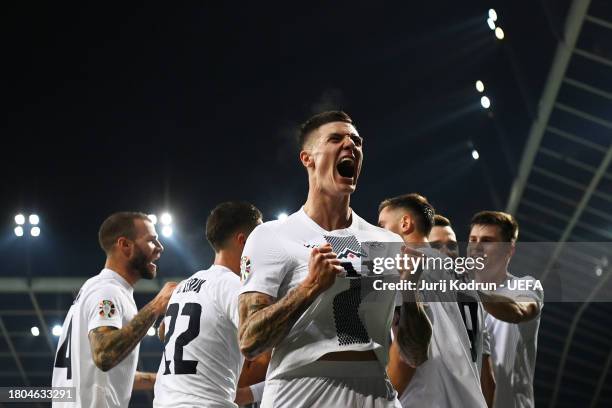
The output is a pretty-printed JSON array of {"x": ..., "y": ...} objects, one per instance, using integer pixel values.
[
  {"x": 110, "y": 346},
  {"x": 264, "y": 324},
  {"x": 414, "y": 333}
]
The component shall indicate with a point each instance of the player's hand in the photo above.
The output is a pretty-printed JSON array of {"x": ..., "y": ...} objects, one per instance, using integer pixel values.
[
  {"x": 410, "y": 273},
  {"x": 162, "y": 298},
  {"x": 323, "y": 268}
]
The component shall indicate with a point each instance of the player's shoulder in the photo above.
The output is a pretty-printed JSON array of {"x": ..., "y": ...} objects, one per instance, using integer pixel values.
[{"x": 371, "y": 232}]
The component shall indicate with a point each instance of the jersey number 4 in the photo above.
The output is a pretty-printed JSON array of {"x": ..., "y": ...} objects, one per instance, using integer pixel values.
[
  {"x": 193, "y": 310},
  {"x": 64, "y": 353}
]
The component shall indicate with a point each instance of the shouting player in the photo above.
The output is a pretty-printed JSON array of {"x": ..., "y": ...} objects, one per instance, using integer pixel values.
[
  {"x": 307, "y": 296},
  {"x": 98, "y": 349}
]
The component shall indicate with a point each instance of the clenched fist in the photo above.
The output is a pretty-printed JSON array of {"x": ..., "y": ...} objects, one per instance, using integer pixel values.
[{"x": 323, "y": 268}]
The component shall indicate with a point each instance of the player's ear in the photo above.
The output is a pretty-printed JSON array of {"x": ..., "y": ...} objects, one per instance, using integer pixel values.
[
  {"x": 125, "y": 246},
  {"x": 406, "y": 224},
  {"x": 241, "y": 239},
  {"x": 306, "y": 158}
]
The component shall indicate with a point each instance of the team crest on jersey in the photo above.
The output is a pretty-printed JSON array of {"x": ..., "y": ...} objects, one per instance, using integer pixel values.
[
  {"x": 245, "y": 267},
  {"x": 106, "y": 309}
]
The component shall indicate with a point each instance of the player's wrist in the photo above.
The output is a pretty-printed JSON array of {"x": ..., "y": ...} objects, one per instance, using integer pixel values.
[{"x": 310, "y": 290}]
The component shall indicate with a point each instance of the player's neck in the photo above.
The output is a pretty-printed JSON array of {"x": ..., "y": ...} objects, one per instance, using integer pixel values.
[
  {"x": 121, "y": 269},
  {"x": 331, "y": 213},
  {"x": 229, "y": 260},
  {"x": 415, "y": 238}
]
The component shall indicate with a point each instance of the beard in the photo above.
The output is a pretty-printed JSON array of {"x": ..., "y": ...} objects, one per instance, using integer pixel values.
[{"x": 140, "y": 264}]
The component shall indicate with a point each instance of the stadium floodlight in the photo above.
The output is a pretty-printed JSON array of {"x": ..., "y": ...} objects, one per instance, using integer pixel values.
[
  {"x": 485, "y": 102},
  {"x": 57, "y": 330},
  {"x": 19, "y": 231},
  {"x": 35, "y": 331},
  {"x": 282, "y": 216},
  {"x": 19, "y": 219},
  {"x": 491, "y": 23},
  {"x": 33, "y": 219},
  {"x": 493, "y": 14},
  {"x": 598, "y": 271},
  {"x": 475, "y": 154},
  {"x": 153, "y": 218},
  {"x": 499, "y": 33},
  {"x": 479, "y": 86},
  {"x": 166, "y": 219},
  {"x": 35, "y": 231},
  {"x": 151, "y": 331},
  {"x": 167, "y": 231}
]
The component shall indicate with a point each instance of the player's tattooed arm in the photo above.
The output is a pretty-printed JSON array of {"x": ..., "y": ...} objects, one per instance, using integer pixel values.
[
  {"x": 109, "y": 345},
  {"x": 414, "y": 333},
  {"x": 263, "y": 323},
  {"x": 508, "y": 309},
  {"x": 144, "y": 381}
]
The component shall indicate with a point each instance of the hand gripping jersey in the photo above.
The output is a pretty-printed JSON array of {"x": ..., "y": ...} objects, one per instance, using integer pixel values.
[
  {"x": 104, "y": 300},
  {"x": 201, "y": 361},
  {"x": 350, "y": 315},
  {"x": 514, "y": 350},
  {"x": 451, "y": 375}
]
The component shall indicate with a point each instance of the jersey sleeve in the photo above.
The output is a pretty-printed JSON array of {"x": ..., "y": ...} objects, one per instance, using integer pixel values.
[
  {"x": 264, "y": 262},
  {"x": 104, "y": 307}
]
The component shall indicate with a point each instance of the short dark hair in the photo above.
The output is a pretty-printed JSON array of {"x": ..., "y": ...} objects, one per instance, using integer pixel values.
[
  {"x": 507, "y": 224},
  {"x": 417, "y": 205},
  {"x": 228, "y": 218},
  {"x": 319, "y": 120},
  {"x": 119, "y": 224},
  {"x": 441, "y": 221}
]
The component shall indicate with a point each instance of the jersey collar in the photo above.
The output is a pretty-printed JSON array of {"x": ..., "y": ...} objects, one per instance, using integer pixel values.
[{"x": 302, "y": 214}]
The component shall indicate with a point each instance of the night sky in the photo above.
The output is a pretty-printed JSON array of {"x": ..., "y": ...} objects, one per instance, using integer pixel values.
[{"x": 178, "y": 107}]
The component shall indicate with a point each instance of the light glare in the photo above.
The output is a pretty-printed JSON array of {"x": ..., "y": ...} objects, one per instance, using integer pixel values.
[
  {"x": 19, "y": 231},
  {"x": 35, "y": 231},
  {"x": 479, "y": 86},
  {"x": 493, "y": 14},
  {"x": 282, "y": 216},
  {"x": 485, "y": 102},
  {"x": 166, "y": 219},
  {"x": 57, "y": 330},
  {"x": 475, "y": 154},
  {"x": 19, "y": 219},
  {"x": 35, "y": 331},
  {"x": 499, "y": 33},
  {"x": 33, "y": 219},
  {"x": 167, "y": 231},
  {"x": 153, "y": 218},
  {"x": 491, "y": 23}
]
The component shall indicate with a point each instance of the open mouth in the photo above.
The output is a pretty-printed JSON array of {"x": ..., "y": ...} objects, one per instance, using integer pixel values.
[{"x": 346, "y": 167}]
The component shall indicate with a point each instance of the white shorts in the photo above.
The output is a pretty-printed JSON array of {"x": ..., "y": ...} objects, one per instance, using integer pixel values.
[{"x": 332, "y": 384}]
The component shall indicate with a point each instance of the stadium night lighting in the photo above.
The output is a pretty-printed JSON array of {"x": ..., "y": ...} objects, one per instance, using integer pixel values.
[
  {"x": 57, "y": 330},
  {"x": 485, "y": 102},
  {"x": 33, "y": 221},
  {"x": 480, "y": 86},
  {"x": 491, "y": 23},
  {"x": 167, "y": 231},
  {"x": 475, "y": 154},
  {"x": 499, "y": 33},
  {"x": 166, "y": 219},
  {"x": 35, "y": 331},
  {"x": 493, "y": 14},
  {"x": 282, "y": 216}
]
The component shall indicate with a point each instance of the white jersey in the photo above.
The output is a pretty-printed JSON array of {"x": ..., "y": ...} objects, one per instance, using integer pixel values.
[
  {"x": 513, "y": 351},
  {"x": 451, "y": 375},
  {"x": 104, "y": 300},
  {"x": 201, "y": 361},
  {"x": 350, "y": 315}
]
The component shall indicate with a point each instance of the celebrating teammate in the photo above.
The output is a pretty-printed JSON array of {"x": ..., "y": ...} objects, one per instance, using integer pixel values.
[
  {"x": 450, "y": 377},
  {"x": 306, "y": 295},
  {"x": 513, "y": 315},
  {"x": 98, "y": 349},
  {"x": 201, "y": 360}
]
